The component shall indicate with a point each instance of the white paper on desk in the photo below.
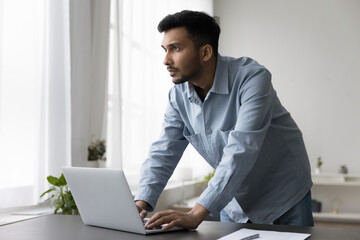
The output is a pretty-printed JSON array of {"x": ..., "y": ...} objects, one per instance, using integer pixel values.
[{"x": 265, "y": 235}]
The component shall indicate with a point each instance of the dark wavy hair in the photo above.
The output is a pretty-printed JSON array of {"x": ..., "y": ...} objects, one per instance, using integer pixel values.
[{"x": 201, "y": 28}]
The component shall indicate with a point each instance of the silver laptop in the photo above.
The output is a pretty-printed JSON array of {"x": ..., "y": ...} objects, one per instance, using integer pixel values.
[{"x": 104, "y": 199}]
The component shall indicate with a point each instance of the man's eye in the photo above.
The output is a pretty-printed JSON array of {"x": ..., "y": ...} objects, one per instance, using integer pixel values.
[{"x": 175, "y": 49}]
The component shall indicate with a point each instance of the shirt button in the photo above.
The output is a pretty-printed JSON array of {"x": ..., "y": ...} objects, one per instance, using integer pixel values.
[{"x": 209, "y": 131}]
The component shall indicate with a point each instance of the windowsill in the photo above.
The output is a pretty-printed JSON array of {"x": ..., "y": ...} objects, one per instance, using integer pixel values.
[
  {"x": 171, "y": 185},
  {"x": 18, "y": 214}
]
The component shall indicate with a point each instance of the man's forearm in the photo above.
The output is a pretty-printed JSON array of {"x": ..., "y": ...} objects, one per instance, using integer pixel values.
[
  {"x": 199, "y": 212},
  {"x": 140, "y": 203}
]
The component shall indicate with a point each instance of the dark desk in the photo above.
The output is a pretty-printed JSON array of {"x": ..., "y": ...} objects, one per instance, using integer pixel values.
[{"x": 59, "y": 227}]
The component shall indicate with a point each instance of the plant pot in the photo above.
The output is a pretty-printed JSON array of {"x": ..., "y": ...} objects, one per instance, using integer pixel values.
[
  {"x": 316, "y": 206},
  {"x": 92, "y": 164},
  {"x": 101, "y": 163}
]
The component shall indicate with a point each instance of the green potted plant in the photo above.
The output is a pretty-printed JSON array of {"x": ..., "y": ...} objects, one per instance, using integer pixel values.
[
  {"x": 61, "y": 197},
  {"x": 96, "y": 152},
  {"x": 319, "y": 163},
  {"x": 315, "y": 205}
]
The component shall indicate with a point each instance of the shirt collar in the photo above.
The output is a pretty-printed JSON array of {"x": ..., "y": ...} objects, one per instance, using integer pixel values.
[
  {"x": 189, "y": 89},
  {"x": 221, "y": 80}
]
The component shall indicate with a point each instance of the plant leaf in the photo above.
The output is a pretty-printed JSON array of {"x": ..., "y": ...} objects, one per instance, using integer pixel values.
[
  {"x": 49, "y": 190},
  {"x": 62, "y": 180},
  {"x": 53, "y": 180},
  {"x": 57, "y": 208}
]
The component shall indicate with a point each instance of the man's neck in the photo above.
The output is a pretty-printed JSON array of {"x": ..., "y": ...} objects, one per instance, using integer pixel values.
[{"x": 204, "y": 83}]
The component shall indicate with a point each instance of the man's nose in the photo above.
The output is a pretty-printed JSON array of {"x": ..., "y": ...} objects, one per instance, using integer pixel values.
[{"x": 167, "y": 59}]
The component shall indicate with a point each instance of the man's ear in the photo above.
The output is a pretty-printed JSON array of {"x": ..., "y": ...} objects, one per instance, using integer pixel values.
[{"x": 206, "y": 52}]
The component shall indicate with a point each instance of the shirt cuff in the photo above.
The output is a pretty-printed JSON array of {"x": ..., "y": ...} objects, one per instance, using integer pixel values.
[
  {"x": 212, "y": 201},
  {"x": 145, "y": 195}
]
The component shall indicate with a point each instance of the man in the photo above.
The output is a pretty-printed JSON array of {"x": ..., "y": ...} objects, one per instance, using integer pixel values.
[{"x": 228, "y": 110}]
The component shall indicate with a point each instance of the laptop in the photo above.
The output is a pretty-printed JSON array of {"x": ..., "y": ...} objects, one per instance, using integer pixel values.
[{"x": 104, "y": 199}]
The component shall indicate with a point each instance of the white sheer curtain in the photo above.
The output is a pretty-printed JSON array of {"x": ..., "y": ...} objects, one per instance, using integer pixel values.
[
  {"x": 89, "y": 33},
  {"x": 34, "y": 98},
  {"x": 53, "y": 90},
  {"x": 139, "y": 83}
]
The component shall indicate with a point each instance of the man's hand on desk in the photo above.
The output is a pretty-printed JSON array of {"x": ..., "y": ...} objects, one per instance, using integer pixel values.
[{"x": 189, "y": 220}]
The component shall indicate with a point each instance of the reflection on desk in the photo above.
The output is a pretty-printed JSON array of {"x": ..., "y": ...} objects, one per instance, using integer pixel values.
[{"x": 56, "y": 227}]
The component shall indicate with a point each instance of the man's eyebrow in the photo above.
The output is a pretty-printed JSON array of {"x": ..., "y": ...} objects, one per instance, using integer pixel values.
[{"x": 175, "y": 44}]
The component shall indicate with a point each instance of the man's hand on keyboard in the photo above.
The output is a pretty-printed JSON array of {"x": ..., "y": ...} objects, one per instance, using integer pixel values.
[
  {"x": 142, "y": 206},
  {"x": 189, "y": 220}
]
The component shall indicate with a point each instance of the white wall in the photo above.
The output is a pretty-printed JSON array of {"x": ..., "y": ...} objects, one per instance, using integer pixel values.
[{"x": 312, "y": 48}]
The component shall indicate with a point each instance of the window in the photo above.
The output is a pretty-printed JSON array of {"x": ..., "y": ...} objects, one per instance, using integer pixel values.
[
  {"x": 20, "y": 81},
  {"x": 33, "y": 109},
  {"x": 141, "y": 81}
]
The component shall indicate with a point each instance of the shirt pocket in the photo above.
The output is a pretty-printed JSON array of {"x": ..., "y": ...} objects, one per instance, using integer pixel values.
[
  {"x": 218, "y": 141},
  {"x": 224, "y": 136},
  {"x": 196, "y": 141}
]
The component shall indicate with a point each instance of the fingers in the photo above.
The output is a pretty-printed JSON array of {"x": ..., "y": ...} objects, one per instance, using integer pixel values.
[
  {"x": 141, "y": 206},
  {"x": 143, "y": 213},
  {"x": 172, "y": 218},
  {"x": 171, "y": 225},
  {"x": 161, "y": 218}
]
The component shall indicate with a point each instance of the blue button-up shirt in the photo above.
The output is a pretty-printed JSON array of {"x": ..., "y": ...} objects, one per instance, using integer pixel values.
[{"x": 242, "y": 130}]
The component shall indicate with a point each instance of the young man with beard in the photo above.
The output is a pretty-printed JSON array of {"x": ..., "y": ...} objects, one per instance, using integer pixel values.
[{"x": 228, "y": 110}]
